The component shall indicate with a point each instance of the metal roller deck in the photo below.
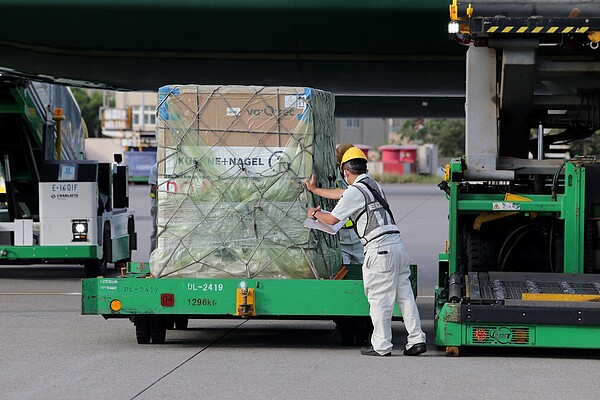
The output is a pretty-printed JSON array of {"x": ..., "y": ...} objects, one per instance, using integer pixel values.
[{"x": 500, "y": 287}]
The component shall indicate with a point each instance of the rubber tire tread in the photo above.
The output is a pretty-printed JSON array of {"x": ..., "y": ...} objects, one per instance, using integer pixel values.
[
  {"x": 142, "y": 329},
  {"x": 181, "y": 324},
  {"x": 481, "y": 253},
  {"x": 158, "y": 329}
]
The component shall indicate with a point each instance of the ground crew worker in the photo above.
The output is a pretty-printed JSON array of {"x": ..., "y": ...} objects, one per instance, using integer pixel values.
[
  {"x": 352, "y": 249},
  {"x": 153, "y": 182},
  {"x": 386, "y": 268}
]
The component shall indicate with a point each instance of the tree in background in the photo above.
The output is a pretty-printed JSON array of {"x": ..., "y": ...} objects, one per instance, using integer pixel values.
[
  {"x": 448, "y": 134},
  {"x": 89, "y": 103},
  {"x": 589, "y": 146}
]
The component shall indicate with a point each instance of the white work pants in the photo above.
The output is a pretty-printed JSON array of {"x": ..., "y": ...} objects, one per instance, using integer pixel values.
[{"x": 386, "y": 279}]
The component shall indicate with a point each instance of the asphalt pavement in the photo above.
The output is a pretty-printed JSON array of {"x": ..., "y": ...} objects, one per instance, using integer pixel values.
[{"x": 49, "y": 351}]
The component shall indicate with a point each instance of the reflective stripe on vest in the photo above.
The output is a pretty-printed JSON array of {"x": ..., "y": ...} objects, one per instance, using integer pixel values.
[{"x": 379, "y": 222}]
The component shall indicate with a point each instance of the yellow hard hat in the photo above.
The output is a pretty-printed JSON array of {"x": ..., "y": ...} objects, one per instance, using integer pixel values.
[
  {"x": 341, "y": 149},
  {"x": 353, "y": 153}
]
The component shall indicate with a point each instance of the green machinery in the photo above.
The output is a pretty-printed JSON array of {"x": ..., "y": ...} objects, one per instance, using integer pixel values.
[
  {"x": 56, "y": 207},
  {"x": 522, "y": 263},
  {"x": 156, "y": 305}
]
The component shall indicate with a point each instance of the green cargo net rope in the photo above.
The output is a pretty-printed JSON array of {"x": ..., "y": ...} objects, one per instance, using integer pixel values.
[{"x": 231, "y": 196}]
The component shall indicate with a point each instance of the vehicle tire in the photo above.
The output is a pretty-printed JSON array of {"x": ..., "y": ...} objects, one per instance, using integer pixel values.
[
  {"x": 92, "y": 268},
  {"x": 345, "y": 329},
  {"x": 158, "y": 329},
  {"x": 481, "y": 253},
  {"x": 354, "y": 331},
  {"x": 363, "y": 329},
  {"x": 142, "y": 329},
  {"x": 95, "y": 267},
  {"x": 181, "y": 323},
  {"x": 106, "y": 245},
  {"x": 132, "y": 235}
]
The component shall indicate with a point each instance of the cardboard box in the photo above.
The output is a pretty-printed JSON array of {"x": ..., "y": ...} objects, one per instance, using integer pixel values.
[
  {"x": 231, "y": 115},
  {"x": 256, "y": 128}
]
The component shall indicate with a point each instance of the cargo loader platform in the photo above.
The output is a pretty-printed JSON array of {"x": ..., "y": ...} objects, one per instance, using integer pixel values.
[
  {"x": 522, "y": 310},
  {"x": 511, "y": 288}
]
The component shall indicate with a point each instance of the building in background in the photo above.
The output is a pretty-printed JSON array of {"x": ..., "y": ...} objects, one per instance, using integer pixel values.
[
  {"x": 372, "y": 132},
  {"x": 133, "y": 118},
  {"x": 373, "y": 135},
  {"x": 132, "y": 121}
]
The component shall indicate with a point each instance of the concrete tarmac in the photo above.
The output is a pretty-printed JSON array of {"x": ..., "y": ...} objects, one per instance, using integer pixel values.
[{"x": 49, "y": 351}]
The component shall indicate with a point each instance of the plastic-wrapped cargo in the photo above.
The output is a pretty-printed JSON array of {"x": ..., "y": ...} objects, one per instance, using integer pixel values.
[{"x": 231, "y": 198}]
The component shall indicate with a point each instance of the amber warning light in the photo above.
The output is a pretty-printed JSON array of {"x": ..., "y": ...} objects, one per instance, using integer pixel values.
[
  {"x": 116, "y": 305},
  {"x": 167, "y": 299}
]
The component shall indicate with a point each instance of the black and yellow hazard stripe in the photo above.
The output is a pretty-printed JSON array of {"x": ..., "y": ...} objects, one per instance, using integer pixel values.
[
  {"x": 533, "y": 25},
  {"x": 537, "y": 29}
]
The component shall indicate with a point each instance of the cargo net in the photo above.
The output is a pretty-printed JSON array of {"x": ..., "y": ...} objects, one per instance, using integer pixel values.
[{"x": 231, "y": 198}]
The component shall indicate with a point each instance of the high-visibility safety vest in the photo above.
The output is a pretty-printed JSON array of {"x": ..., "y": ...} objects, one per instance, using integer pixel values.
[{"x": 378, "y": 221}]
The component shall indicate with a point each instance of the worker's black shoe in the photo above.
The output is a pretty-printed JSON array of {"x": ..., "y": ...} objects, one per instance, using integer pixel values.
[
  {"x": 370, "y": 351},
  {"x": 416, "y": 349}
]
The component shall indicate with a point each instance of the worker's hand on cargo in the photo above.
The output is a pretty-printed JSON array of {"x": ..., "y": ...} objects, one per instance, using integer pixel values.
[
  {"x": 334, "y": 194},
  {"x": 312, "y": 184},
  {"x": 311, "y": 212}
]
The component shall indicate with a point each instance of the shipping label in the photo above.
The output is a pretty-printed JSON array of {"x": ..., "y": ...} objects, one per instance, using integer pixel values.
[
  {"x": 505, "y": 206},
  {"x": 295, "y": 101},
  {"x": 192, "y": 163}
]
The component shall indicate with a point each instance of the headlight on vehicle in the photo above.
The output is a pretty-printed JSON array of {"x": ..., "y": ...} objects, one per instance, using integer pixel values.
[
  {"x": 453, "y": 27},
  {"x": 80, "y": 230}
]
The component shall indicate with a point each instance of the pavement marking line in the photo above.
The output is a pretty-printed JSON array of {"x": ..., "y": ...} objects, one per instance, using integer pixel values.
[
  {"x": 415, "y": 208},
  {"x": 190, "y": 358},
  {"x": 39, "y": 293}
]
